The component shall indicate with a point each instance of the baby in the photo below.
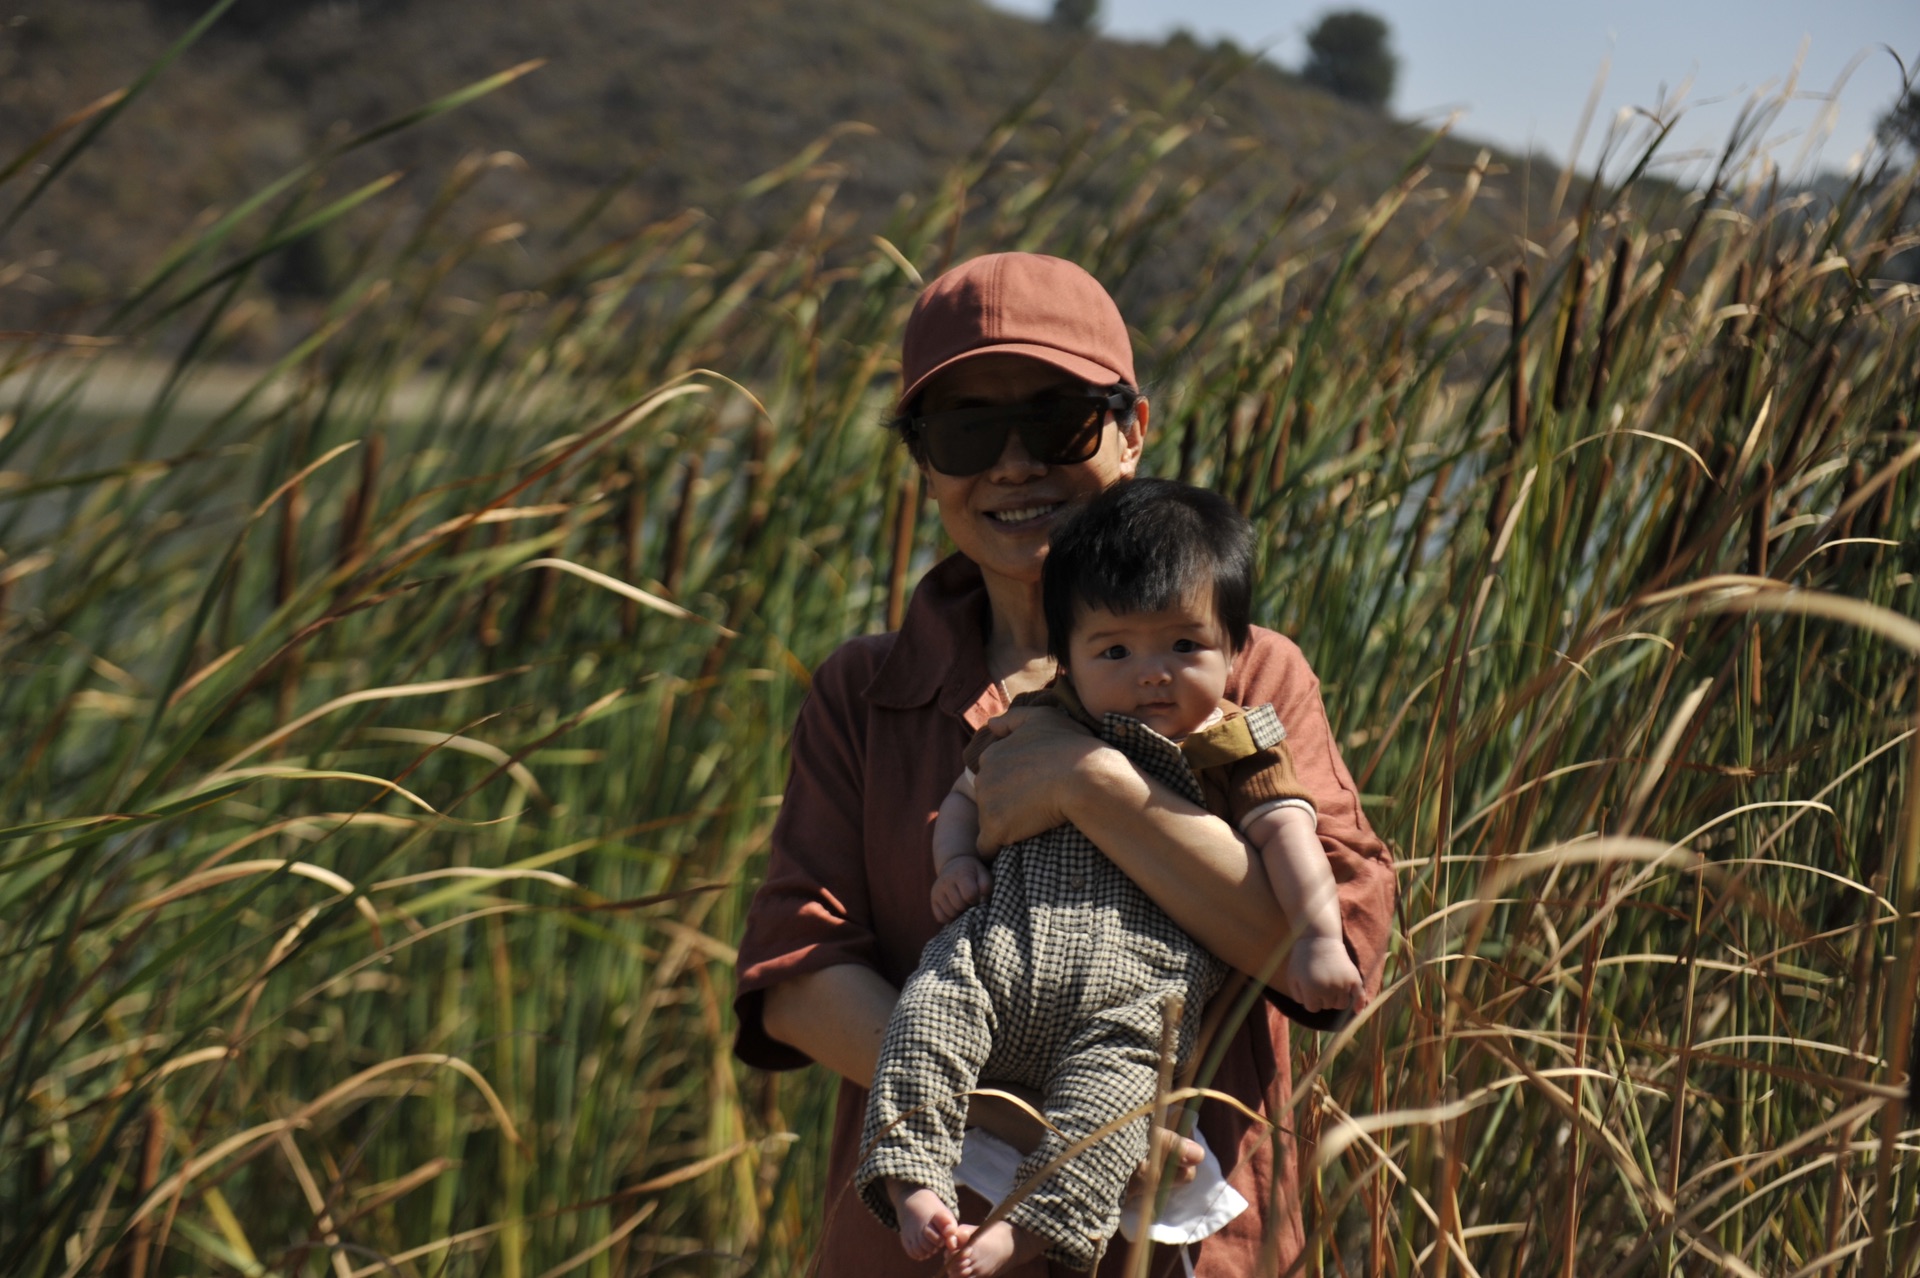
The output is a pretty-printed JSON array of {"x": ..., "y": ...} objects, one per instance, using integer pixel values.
[{"x": 1056, "y": 982}]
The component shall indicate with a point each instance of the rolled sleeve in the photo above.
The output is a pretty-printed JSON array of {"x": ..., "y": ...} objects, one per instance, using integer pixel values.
[{"x": 813, "y": 911}]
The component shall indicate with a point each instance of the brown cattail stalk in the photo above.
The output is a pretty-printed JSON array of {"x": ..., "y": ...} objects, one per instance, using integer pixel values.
[
  {"x": 1610, "y": 321},
  {"x": 1757, "y": 565},
  {"x": 359, "y": 512},
  {"x": 1739, "y": 334},
  {"x": 1249, "y": 469},
  {"x": 633, "y": 514},
  {"x": 1679, "y": 524},
  {"x": 1140, "y": 1258},
  {"x": 287, "y": 566},
  {"x": 1303, "y": 418},
  {"x": 1516, "y": 404},
  {"x": 1810, "y": 407},
  {"x": 153, "y": 1145},
  {"x": 759, "y": 483},
  {"x": 286, "y": 577},
  {"x": 1517, "y": 386},
  {"x": 1579, "y": 280},
  {"x": 1189, "y": 446},
  {"x": 680, "y": 534},
  {"x": 532, "y": 625},
  {"x": 906, "y": 523},
  {"x": 1836, "y": 410},
  {"x": 1856, "y": 480},
  {"x": 489, "y": 622},
  {"x": 1710, "y": 498}
]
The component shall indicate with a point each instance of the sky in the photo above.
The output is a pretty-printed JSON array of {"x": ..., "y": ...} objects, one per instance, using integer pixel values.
[{"x": 1522, "y": 71}]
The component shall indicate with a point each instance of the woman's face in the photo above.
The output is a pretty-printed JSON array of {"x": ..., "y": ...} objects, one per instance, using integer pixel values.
[{"x": 1001, "y": 518}]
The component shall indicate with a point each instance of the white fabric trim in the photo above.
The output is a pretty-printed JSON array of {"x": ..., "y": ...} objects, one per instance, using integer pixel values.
[
  {"x": 1274, "y": 805},
  {"x": 1196, "y": 1210}
]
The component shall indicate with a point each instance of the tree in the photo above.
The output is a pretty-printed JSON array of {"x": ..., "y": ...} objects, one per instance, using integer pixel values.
[
  {"x": 1898, "y": 131},
  {"x": 1075, "y": 15},
  {"x": 262, "y": 17},
  {"x": 1900, "y": 126},
  {"x": 1349, "y": 58}
]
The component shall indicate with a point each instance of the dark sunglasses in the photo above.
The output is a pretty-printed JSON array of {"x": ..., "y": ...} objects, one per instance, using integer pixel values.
[{"x": 1056, "y": 430}]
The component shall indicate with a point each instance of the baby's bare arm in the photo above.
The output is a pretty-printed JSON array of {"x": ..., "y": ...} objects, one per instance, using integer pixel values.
[
  {"x": 1298, "y": 870},
  {"x": 961, "y": 877},
  {"x": 1319, "y": 969},
  {"x": 956, "y": 828}
]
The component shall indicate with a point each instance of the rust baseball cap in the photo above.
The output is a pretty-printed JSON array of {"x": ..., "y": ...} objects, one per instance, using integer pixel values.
[{"x": 1045, "y": 308}]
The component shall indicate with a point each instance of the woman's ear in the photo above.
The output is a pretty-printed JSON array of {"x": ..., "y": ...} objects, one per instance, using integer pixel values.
[{"x": 1133, "y": 438}]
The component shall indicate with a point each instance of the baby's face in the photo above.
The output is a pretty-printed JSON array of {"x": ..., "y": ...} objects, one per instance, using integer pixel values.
[{"x": 1167, "y": 669}]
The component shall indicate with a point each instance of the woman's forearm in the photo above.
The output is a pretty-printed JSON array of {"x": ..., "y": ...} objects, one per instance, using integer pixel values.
[
  {"x": 1189, "y": 861},
  {"x": 837, "y": 1015},
  {"x": 1045, "y": 771}
]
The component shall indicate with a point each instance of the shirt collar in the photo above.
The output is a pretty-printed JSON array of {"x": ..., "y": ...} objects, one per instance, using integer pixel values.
[{"x": 941, "y": 650}]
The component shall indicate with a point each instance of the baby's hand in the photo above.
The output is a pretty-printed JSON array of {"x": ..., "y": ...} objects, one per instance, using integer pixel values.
[
  {"x": 966, "y": 881},
  {"x": 1321, "y": 974}
]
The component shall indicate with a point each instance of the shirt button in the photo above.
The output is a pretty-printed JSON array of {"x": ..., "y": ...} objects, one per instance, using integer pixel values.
[{"x": 1079, "y": 881}]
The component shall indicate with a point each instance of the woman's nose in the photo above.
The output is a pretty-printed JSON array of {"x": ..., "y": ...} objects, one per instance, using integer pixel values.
[{"x": 1015, "y": 463}]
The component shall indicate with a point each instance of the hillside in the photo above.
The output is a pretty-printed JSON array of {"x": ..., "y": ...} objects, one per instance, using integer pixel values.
[{"x": 660, "y": 107}]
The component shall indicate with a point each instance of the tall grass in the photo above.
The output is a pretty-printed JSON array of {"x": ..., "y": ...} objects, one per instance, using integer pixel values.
[{"x": 391, "y": 753}]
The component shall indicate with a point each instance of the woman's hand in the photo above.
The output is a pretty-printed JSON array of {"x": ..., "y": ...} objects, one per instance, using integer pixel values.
[
  {"x": 1186, "y": 1165},
  {"x": 1027, "y": 778}
]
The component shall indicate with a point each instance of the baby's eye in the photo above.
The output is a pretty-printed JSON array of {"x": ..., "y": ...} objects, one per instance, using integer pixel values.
[
  {"x": 1118, "y": 652},
  {"x": 1185, "y": 645}
]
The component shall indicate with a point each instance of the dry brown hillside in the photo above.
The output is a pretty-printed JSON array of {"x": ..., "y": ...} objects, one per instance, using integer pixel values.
[{"x": 659, "y": 106}]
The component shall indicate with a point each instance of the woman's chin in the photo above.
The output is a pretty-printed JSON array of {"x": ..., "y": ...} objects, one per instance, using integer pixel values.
[{"x": 1015, "y": 553}]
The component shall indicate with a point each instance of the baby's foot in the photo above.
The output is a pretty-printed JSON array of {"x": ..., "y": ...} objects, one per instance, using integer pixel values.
[
  {"x": 998, "y": 1247},
  {"x": 925, "y": 1222}
]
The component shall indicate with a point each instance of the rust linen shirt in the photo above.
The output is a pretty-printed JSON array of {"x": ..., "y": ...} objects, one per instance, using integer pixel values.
[{"x": 876, "y": 748}]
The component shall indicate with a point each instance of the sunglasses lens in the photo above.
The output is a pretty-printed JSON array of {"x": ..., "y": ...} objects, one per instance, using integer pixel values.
[
  {"x": 1063, "y": 431},
  {"x": 965, "y": 441}
]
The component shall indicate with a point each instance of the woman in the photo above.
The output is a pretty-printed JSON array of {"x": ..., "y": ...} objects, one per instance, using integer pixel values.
[{"x": 1002, "y": 358}]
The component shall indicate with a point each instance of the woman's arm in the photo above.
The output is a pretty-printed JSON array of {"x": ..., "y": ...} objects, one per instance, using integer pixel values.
[
  {"x": 1046, "y": 771},
  {"x": 836, "y": 1015}
]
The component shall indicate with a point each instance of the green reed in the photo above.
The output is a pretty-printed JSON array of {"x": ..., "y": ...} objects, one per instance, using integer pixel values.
[{"x": 392, "y": 748}]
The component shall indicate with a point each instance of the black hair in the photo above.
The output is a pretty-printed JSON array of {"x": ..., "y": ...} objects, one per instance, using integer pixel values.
[
  {"x": 1147, "y": 544},
  {"x": 900, "y": 425}
]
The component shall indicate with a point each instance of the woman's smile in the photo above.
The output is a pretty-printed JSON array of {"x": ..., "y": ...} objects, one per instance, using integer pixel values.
[{"x": 1022, "y": 515}]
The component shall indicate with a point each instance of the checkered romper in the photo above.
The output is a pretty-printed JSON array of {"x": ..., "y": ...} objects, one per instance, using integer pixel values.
[{"x": 1054, "y": 982}]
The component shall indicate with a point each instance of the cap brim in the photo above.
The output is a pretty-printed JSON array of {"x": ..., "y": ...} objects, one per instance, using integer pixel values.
[{"x": 1086, "y": 369}]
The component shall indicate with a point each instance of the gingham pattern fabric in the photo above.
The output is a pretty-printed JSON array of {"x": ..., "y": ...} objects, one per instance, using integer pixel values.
[{"x": 1054, "y": 982}]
